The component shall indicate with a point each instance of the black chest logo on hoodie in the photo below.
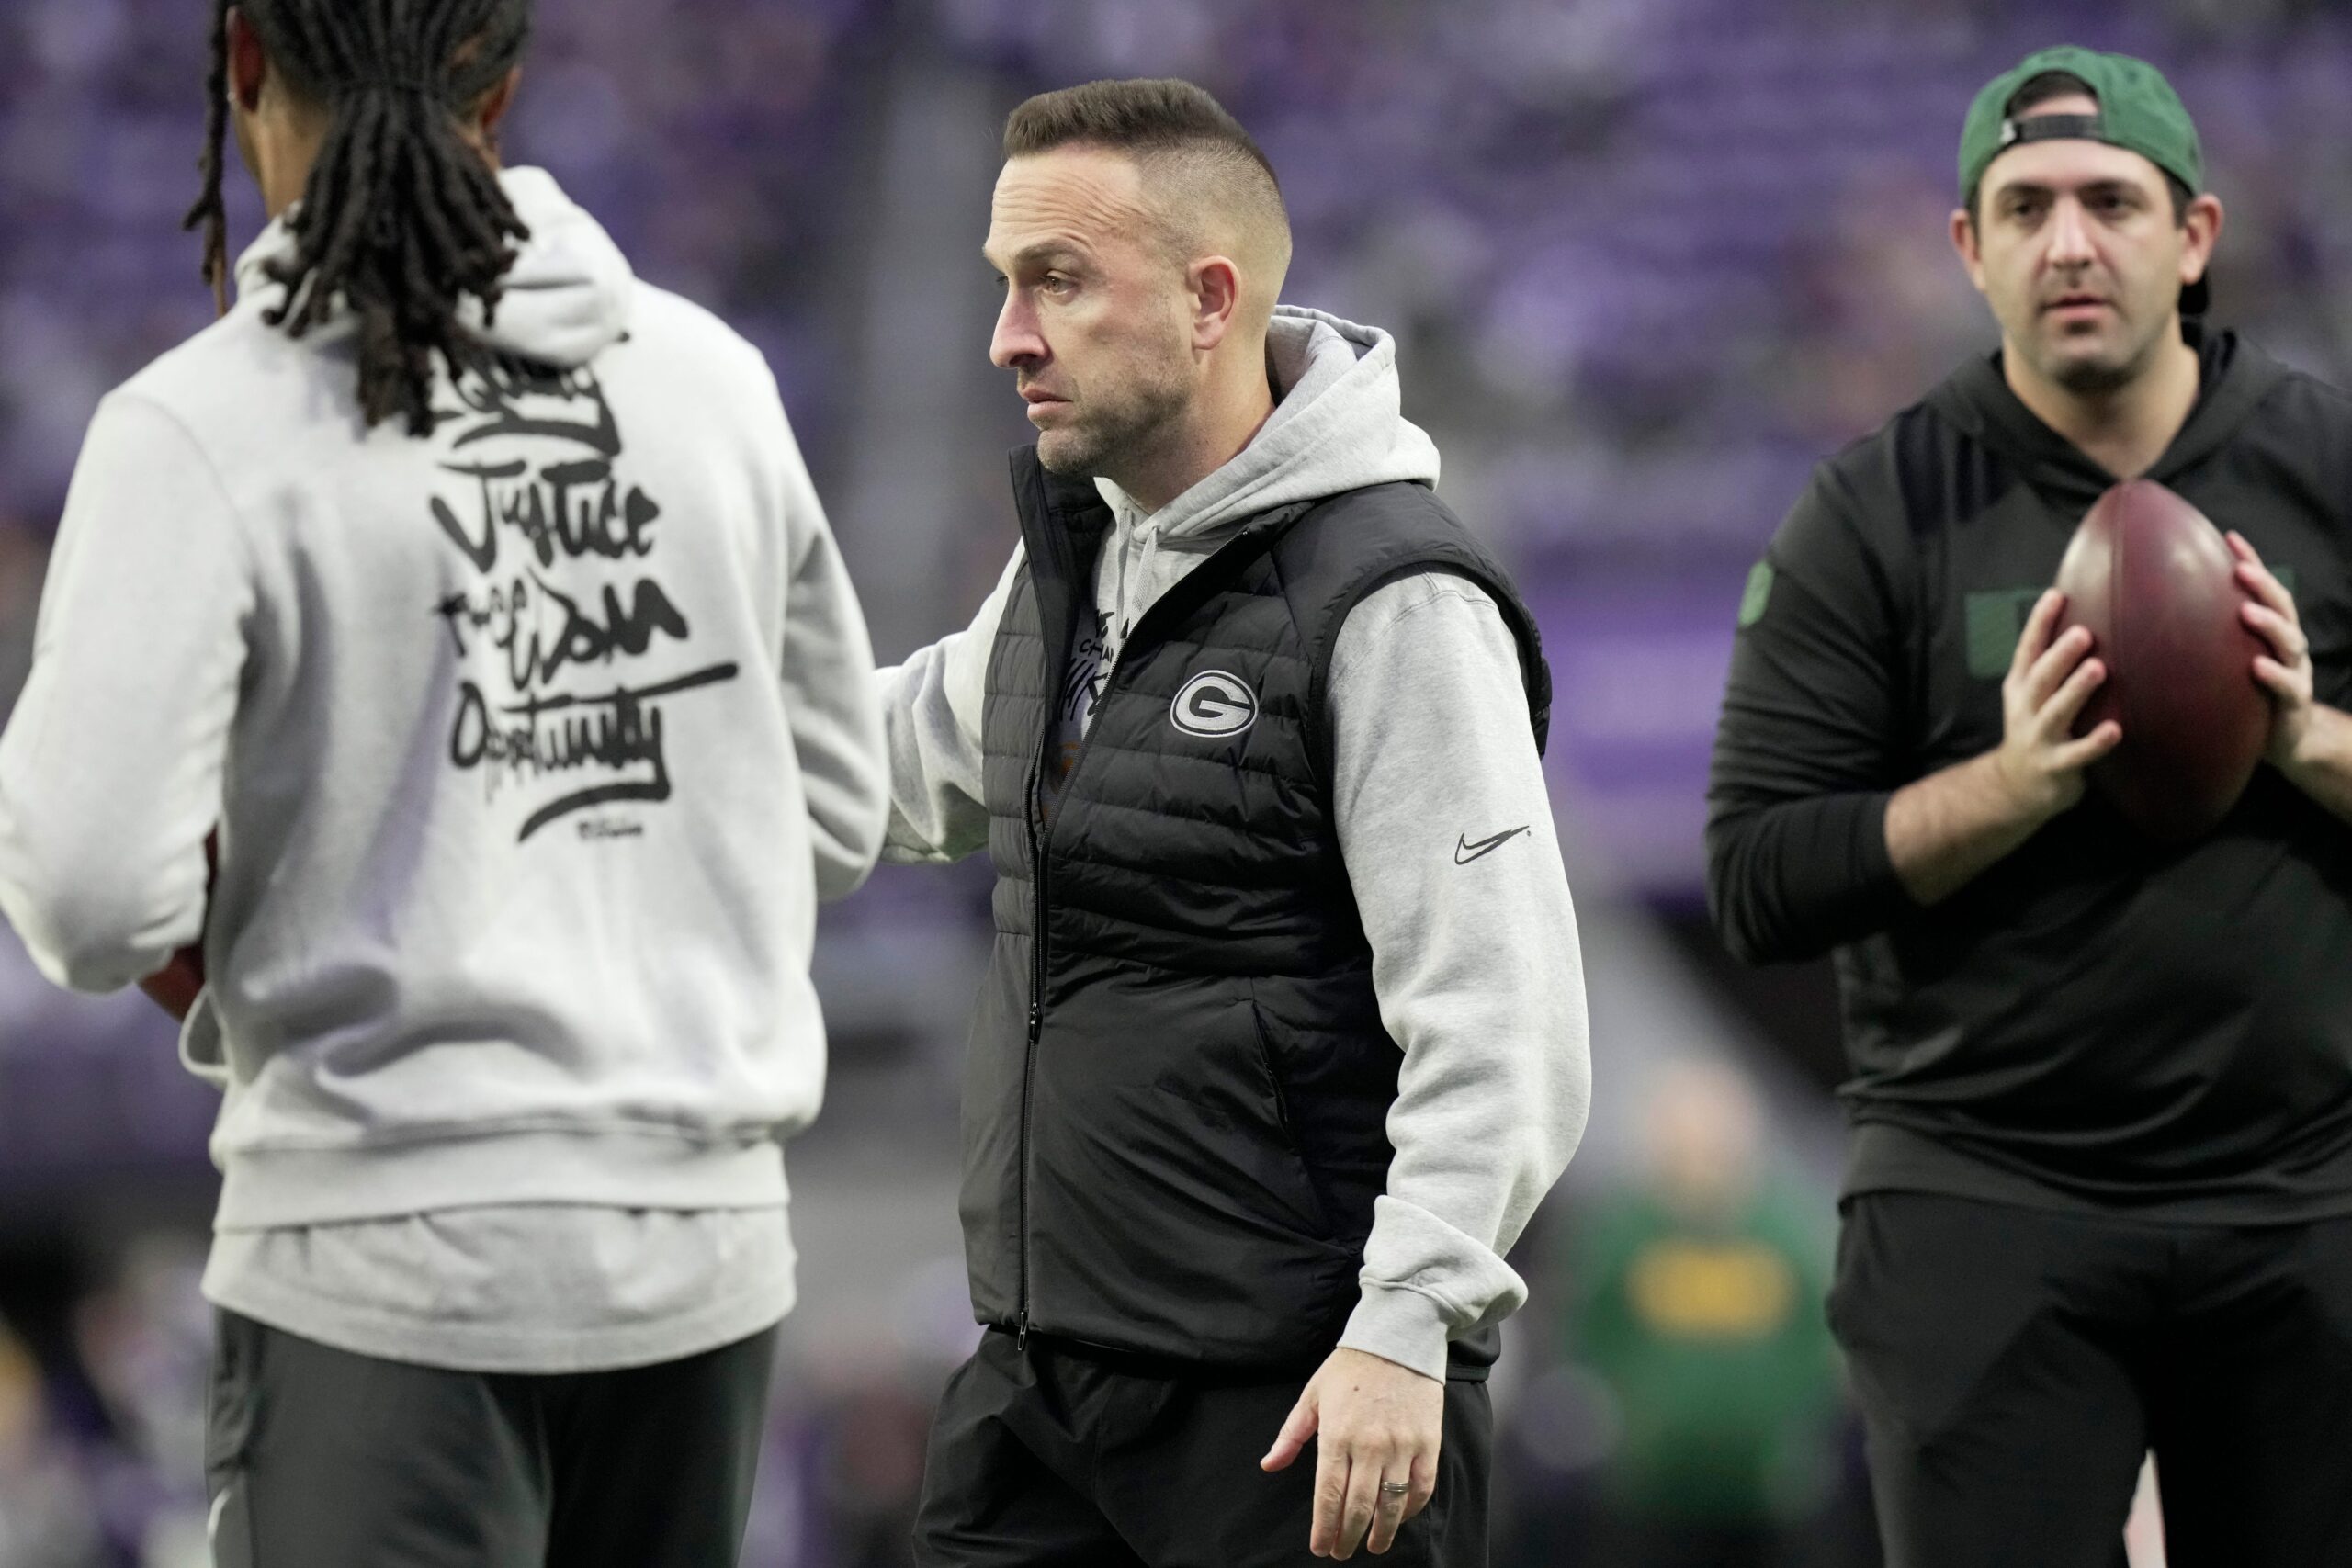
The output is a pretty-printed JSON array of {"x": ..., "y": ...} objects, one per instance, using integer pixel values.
[{"x": 567, "y": 646}]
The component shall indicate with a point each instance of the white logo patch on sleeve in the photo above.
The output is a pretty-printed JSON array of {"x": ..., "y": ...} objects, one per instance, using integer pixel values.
[{"x": 1213, "y": 703}]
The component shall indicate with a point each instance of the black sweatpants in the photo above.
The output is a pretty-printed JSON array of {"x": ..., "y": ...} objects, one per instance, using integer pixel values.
[
  {"x": 1043, "y": 1458},
  {"x": 2013, "y": 1366},
  {"x": 317, "y": 1458}
]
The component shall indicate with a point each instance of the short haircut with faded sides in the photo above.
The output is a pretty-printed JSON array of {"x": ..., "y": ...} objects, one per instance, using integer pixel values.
[{"x": 1200, "y": 158}]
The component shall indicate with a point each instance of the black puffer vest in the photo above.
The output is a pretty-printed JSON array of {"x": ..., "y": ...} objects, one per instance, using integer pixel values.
[{"x": 1175, "y": 1104}]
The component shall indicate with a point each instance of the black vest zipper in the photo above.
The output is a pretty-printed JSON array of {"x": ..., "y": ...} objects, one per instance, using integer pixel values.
[
  {"x": 1036, "y": 1021},
  {"x": 1038, "y": 843},
  {"x": 1032, "y": 809}
]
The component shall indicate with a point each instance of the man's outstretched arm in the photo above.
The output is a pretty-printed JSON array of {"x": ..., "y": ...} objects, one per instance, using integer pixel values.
[{"x": 930, "y": 719}]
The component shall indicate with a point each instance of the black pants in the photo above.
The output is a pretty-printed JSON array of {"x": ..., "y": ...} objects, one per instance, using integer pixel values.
[
  {"x": 1044, "y": 1459},
  {"x": 317, "y": 1458},
  {"x": 2013, "y": 1367},
  {"x": 1625, "y": 1543}
]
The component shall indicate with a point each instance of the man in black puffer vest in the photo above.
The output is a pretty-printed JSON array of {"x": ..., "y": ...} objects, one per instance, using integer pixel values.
[{"x": 1283, "y": 1036}]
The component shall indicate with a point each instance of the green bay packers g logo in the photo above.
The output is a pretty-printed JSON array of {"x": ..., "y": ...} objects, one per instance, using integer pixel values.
[{"x": 1213, "y": 703}]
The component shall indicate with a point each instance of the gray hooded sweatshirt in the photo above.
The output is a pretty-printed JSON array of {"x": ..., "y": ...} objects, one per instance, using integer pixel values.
[
  {"x": 1442, "y": 816},
  {"x": 534, "y": 745}
]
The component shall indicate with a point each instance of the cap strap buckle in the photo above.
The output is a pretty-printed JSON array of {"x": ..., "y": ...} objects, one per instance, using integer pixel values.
[{"x": 2053, "y": 128}]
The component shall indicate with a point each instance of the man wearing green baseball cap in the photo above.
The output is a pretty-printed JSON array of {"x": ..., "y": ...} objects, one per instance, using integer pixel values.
[
  {"x": 2090, "y": 289},
  {"x": 2100, "y": 1194}
]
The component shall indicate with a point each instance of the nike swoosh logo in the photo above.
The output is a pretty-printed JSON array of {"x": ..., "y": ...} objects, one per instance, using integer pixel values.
[{"x": 1465, "y": 852}]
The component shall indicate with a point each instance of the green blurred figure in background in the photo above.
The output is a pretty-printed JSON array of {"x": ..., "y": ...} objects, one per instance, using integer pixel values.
[{"x": 1697, "y": 1301}]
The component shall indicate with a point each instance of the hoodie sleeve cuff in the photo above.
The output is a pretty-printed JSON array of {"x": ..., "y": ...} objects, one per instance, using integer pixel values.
[{"x": 1400, "y": 1326}]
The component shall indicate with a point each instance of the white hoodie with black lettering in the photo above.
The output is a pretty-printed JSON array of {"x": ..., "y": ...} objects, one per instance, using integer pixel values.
[
  {"x": 533, "y": 745},
  {"x": 1443, "y": 819}
]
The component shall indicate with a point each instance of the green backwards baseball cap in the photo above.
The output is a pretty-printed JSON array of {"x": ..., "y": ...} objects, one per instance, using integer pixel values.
[{"x": 2138, "y": 111}]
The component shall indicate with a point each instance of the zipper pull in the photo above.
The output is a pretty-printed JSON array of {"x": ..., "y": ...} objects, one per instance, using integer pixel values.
[
  {"x": 1036, "y": 1018},
  {"x": 1020, "y": 1335}
]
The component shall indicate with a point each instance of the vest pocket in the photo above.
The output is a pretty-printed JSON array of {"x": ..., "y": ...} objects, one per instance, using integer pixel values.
[
  {"x": 1168, "y": 1210},
  {"x": 1211, "y": 1133},
  {"x": 1289, "y": 1129}
]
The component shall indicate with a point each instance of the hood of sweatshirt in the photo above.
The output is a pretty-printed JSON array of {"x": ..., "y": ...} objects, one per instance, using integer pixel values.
[
  {"x": 566, "y": 297},
  {"x": 1338, "y": 426},
  {"x": 2235, "y": 377}
]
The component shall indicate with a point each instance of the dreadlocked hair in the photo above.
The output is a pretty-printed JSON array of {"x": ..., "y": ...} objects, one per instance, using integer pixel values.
[{"x": 402, "y": 218}]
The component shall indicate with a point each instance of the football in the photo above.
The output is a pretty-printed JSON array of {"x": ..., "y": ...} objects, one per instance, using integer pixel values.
[
  {"x": 2155, "y": 583},
  {"x": 175, "y": 986}
]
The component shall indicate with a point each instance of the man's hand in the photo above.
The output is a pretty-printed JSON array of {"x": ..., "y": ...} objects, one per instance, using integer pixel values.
[
  {"x": 2286, "y": 671},
  {"x": 2310, "y": 741},
  {"x": 1374, "y": 1424},
  {"x": 1944, "y": 829},
  {"x": 2041, "y": 761}
]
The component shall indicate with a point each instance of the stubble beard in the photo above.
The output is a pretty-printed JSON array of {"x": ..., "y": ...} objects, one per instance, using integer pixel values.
[
  {"x": 2099, "y": 375},
  {"x": 2104, "y": 370},
  {"x": 1108, "y": 441}
]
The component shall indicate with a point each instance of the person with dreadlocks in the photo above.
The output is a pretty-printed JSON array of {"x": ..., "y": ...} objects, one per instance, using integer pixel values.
[{"x": 476, "y": 593}]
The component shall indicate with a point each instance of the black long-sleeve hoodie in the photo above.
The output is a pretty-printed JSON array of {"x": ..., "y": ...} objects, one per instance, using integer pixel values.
[{"x": 2098, "y": 1019}]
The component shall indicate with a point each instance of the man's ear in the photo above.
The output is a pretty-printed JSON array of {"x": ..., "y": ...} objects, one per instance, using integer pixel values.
[
  {"x": 1964, "y": 240},
  {"x": 248, "y": 62},
  {"x": 2202, "y": 222},
  {"x": 1215, "y": 286}
]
